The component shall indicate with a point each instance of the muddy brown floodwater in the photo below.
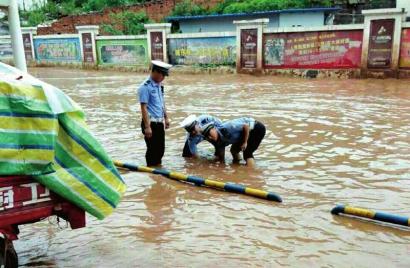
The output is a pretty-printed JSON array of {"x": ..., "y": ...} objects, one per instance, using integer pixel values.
[{"x": 328, "y": 142}]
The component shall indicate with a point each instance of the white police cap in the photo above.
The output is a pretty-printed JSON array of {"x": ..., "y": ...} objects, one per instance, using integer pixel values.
[
  {"x": 188, "y": 123},
  {"x": 161, "y": 66}
]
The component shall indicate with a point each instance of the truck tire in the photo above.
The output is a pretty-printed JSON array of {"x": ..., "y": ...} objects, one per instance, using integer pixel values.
[{"x": 8, "y": 258}]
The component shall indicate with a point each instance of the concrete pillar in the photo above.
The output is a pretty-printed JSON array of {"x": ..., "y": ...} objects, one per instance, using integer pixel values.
[
  {"x": 249, "y": 45},
  {"x": 87, "y": 35},
  {"x": 381, "y": 41},
  {"x": 28, "y": 33},
  {"x": 16, "y": 37},
  {"x": 157, "y": 40}
]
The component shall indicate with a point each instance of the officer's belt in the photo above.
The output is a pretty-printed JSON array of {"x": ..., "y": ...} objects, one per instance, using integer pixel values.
[{"x": 156, "y": 120}]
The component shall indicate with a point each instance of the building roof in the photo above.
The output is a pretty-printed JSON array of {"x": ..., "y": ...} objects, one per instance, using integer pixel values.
[{"x": 257, "y": 13}]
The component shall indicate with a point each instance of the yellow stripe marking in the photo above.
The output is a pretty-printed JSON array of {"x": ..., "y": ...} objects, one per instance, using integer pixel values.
[
  {"x": 360, "y": 212},
  {"x": 145, "y": 169},
  {"x": 178, "y": 176},
  {"x": 216, "y": 184},
  {"x": 256, "y": 192}
]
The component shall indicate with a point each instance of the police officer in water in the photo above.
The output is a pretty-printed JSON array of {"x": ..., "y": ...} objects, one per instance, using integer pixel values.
[
  {"x": 245, "y": 134},
  {"x": 154, "y": 114},
  {"x": 193, "y": 125}
]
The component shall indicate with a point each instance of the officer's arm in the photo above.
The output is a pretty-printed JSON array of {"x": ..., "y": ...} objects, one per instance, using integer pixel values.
[
  {"x": 192, "y": 142},
  {"x": 167, "y": 122},
  {"x": 145, "y": 117}
]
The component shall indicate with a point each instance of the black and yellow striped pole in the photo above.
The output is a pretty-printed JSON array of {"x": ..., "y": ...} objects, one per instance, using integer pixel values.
[
  {"x": 369, "y": 214},
  {"x": 230, "y": 187}
]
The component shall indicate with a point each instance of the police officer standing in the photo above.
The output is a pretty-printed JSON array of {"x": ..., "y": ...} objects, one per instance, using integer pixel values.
[{"x": 154, "y": 114}]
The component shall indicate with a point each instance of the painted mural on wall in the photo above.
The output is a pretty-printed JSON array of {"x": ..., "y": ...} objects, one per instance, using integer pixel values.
[
  {"x": 6, "y": 52},
  {"x": 57, "y": 49},
  {"x": 380, "y": 43},
  {"x": 122, "y": 52},
  {"x": 405, "y": 49},
  {"x": 340, "y": 49},
  {"x": 202, "y": 51}
]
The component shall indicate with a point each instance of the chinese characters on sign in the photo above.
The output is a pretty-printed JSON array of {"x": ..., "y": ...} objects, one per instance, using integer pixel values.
[
  {"x": 340, "y": 49},
  {"x": 202, "y": 51},
  {"x": 249, "y": 48},
  {"x": 122, "y": 52},
  {"x": 58, "y": 49},
  {"x": 157, "y": 52},
  {"x": 380, "y": 43},
  {"x": 23, "y": 195},
  {"x": 87, "y": 47}
]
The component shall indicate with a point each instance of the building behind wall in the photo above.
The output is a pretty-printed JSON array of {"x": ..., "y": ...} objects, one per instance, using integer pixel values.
[{"x": 306, "y": 17}]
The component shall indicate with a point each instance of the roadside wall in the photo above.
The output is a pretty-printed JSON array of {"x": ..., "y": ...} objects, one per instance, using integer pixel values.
[{"x": 375, "y": 49}]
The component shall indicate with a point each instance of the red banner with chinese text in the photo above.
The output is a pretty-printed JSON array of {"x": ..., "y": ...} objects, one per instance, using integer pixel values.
[
  {"x": 405, "y": 49},
  {"x": 316, "y": 50}
]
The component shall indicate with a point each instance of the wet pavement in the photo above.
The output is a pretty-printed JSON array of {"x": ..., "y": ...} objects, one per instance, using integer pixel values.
[{"x": 328, "y": 142}]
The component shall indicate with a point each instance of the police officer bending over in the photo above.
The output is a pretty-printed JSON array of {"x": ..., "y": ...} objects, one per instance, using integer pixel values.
[
  {"x": 193, "y": 125},
  {"x": 154, "y": 114},
  {"x": 245, "y": 134}
]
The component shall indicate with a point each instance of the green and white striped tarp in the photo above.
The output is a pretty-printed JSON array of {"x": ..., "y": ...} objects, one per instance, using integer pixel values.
[{"x": 43, "y": 134}]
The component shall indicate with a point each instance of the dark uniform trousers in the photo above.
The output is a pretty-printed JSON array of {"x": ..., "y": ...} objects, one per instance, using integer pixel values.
[
  {"x": 255, "y": 138},
  {"x": 155, "y": 144}
]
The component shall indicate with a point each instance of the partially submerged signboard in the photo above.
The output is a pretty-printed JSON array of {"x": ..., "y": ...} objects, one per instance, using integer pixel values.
[
  {"x": 380, "y": 44},
  {"x": 316, "y": 50},
  {"x": 122, "y": 52},
  {"x": 202, "y": 51}
]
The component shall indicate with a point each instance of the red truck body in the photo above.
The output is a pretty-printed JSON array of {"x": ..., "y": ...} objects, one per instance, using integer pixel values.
[{"x": 23, "y": 200}]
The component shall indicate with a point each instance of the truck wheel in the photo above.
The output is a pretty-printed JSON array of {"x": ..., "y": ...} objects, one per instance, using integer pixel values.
[{"x": 8, "y": 257}]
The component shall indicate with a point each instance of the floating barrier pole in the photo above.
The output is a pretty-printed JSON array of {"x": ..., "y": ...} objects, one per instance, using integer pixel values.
[
  {"x": 230, "y": 187},
  {"x": 373, "y": 215}
]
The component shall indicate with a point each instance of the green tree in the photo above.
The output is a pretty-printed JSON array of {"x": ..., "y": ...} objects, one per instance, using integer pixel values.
[
  {"x": 187, "y": 8},
  {"x": 126, "y": 23}
]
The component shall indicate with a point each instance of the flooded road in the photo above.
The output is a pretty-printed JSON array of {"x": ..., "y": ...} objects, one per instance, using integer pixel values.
[{"x": 328, "y": 142}]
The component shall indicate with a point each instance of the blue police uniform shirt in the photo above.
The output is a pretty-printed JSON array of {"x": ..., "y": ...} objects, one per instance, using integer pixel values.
[
  {"x": 202, "y": 120},
  {"x": 231, "y": 131},
  {"x": 150, "y": 92}
]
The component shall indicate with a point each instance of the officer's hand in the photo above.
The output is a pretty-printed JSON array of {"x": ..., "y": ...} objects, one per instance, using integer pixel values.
[
  {"x": 243, "y": 146},
  {"x": 167, "y": 123},
  {"x": 148, "y": 132}
]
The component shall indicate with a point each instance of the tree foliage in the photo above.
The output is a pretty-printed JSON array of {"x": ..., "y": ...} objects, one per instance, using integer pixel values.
[
  {"x": 126, "y": 23},
  {"x": 247, "y": 6},
  {"x": 187, "y": 8},
  {"x": 54, "y": 9}
]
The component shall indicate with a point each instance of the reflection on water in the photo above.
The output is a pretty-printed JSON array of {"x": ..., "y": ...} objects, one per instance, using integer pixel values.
[{"x": 327, "y": 142}]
